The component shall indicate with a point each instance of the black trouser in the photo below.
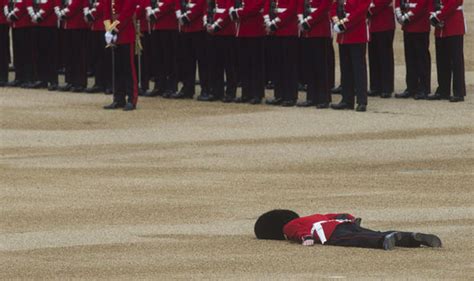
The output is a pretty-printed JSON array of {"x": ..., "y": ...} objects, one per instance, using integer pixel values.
[
  {"x": 251, "y": 64},
  {"x": 269, "y": 59},
  {"x": 352, "y": 235},
  {"x": 418, "y": 62},
  {"x": 315, "y": 68},
  {"x": 75, "y": 47},
  {"x": 4, "y": 51},
  {"x": 23, "y": 54},
  {"x": 166, "y": 54},
  {"x": 125, "y": 74},
  {"x": 286, "y": 68},
  {"x": 146, "y": 62},
  {"x": 98, "y": 56},
  {"x": 331, "y": 65},
  {"x": 193, "y": 46},
  {"x": 223, "y": 61},
  {"x": 450, "y": 63},
  {"x": 381, "y": 61},
  {"x": 46, "y": 54},
  {"x": 353, "y": 72}
]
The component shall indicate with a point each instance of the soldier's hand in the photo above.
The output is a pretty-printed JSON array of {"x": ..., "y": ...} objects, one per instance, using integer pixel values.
[
  {"x": 308, "y": 241},
  {"x": 339, "y": 28},
  {"x": 234, "y": 14},
  {"x": 184, "y": 20},
  {"x": 305, "y": 26},
  {"x": 434, "y": 20}
]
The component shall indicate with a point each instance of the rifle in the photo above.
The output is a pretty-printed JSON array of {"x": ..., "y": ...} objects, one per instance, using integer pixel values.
[
  {"x": 11, "y": 5},
  {"x": 341, "y": 11},
  {"x": 36, "y": 6},
  {"x": 184, "y": 6},
  {"x": 273, "y": 9},
  {"x": 211, "y": 10},
  {"x": 307, "y": 8},
  {"x": 404, "y": 5},
  {"x": 437, "y": 5},
  {"x": 237, "y": 4}
]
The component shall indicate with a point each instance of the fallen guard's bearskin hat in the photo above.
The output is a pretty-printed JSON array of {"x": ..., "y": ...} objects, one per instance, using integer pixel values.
[{"x": 270, "y": 225}]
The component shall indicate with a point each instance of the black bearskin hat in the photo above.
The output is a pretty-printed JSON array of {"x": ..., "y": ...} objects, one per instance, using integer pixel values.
[{"x": 270, "y": 225}]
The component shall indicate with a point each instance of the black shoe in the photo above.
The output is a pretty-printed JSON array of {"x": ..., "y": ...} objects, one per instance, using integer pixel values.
[
  {"x": 288, "y": 103},
  {"x": 181, "y": 95},
  {"x": 456, "y": 99},
  {"x": 95, "y": 89},
  {"x": 167, "y": 94},
  {"x": 38, "y": 85},
  {"x": 77, "y": 89},
  {"x": 154, "y": 93},
  {"x": 65, "y": 88},
  {"x": 434, "y": 96},
  {"x": 108, "y": 91},
  {"x": 342, "y": 105},
  {"x": 26, "y": 85},
  {"x": 241, "y": 100},
  {"x": 129, "y": 107},
  {"x": 386, "y": 95},
  {"x": 205, "y": 97},
  {"x": 429, "y": 240},
  {"x": 3, "y": 83},
  {"x": 336, "y": 90},
  {"x": 322, "y": 105},
  {"x": 390, "y": 240},
  {"x": 373, "y": 93},
  {"x": 270, "y": 86},
  {"x": 227, "y": 99},
  {"x": 53, "y": 87},
  {"x": 420, "y": 96},
  {"x": 307, "y": 103},
  {"x": 14, "y": 83},
  {"x": 361, "y": 108},
  {"x": 255, "y": 101},
  {"x": 114, "y": 105},
  {"x": 404, "y": 95},
  {"x": 142, "y": 92},
  {"x": 276, "y": 101}
]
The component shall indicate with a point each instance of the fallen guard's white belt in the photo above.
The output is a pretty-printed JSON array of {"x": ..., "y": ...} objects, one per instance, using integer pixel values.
[{"x": 318, "y": 230}]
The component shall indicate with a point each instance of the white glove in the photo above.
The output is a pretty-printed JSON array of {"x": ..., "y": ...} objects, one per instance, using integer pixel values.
[
  {"x": 5, "y": 11},
  {"x": 57, "y": 11},
  {"x": 31, "y": 12},
  {"x": 308, "y": 242},
  {"x": 337, "y": 28},
  {"x": 110, "y": 38}
]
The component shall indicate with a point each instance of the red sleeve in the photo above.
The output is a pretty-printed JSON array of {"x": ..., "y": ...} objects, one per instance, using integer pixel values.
[
  {"x": 99, "y": 10},
  {"x": 107, "y": 11},
  {"x": 140, "y": 9},
  {"x": 449, "y": 9},
  {"x": 126, "y": 14},
  {"x": 321, "y": 13},
  {"x": 266, "y": 7},
  {"x": 21, "y": 9},
  {"x": 75, "y": 8},
  {"x": 379, "y": 5},
  {"x": 226, "y": 17},
  {"x": 197, "y": 11},
  {"x": 288, "y": 14},
  {"x": 48, "y": 9},
  {"x": 251, "y": 9},
  {"x": 359, "y": 14},
  {"x": 397, "y": 4},
  {"x": 421, "y": 10},
  {"x": 333, "y": 10},
  {"x": 166, "y": 8}
]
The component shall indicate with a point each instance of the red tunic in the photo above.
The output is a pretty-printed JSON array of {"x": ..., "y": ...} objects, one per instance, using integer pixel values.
[
  {"x": 319, "y": 22},
  {"x": 74, "y": 15},
  {"x": 420, "y": 21},
  {"x": 124, "y": 11},
  {"x": 196, "y": 10},
  {"x": 140, "y": 16},
  {"x": 24, "y": 19},
  {"x": 98, "y": 13},
  {"x": 166, "y": 17},
  {"x": 318, "y": 226},
  {"x": 382, "y": 16},
  {"x": 452, "y": 15},
  {"x": 251, "y": 19},
  {"x": 3, "y": 19},
  {"x": 222, "y": 15},
  {"x": 357, "y": 30},
  {"x": 286, "y": 12},
  {"x": 47, "y": 13}
]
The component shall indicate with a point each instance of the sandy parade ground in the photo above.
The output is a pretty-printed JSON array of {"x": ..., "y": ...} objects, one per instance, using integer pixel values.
[{"x": 172, "y": 190}]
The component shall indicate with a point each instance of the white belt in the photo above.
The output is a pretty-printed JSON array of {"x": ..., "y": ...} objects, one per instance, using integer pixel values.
[
  {"x": 220, "y": 11},
  {"x": 280, "y": 10},
  {"x": 191, "y": 5},
  {"x": 312, "y": 10},
  {"x": 318, "y": 229},
  {"x": 412, "y": 5}
]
